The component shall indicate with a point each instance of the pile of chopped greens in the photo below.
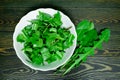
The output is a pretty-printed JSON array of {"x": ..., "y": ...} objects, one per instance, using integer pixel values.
[
  {"x": 88, "y": 39},
  {"x": 44, "y": 40}
]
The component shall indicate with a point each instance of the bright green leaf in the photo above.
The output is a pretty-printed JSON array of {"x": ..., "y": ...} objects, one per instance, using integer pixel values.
[
  {"x": 28, "y": 49},
  {"x": 53, "y": 30},
  {"x": 45, "y": 53},
  {"x": 105, "y": 34},
  {"x": 56, "y": 20},
  {"x": 38, "y": 43},
  {"x": 83, "y": 27},
  {"x": 43, "y": 16},
  {"x": 21, "y": 38}
]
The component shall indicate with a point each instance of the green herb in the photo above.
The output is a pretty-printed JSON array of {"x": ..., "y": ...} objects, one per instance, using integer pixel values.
[
  {"x": 87, "y": 41},
  {"x": 44, "y": 40}
]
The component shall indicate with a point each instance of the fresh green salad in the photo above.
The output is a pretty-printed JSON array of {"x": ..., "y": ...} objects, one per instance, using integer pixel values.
[{"x": 44, "y": 40}]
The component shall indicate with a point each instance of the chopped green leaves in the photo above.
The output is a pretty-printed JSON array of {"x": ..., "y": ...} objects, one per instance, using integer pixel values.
[
  {"x": 69, "y": 41},
  {"x": 53, "y": 30},
  {"x": 44, "y": 39},
  {"x": 38, "y": 43},
  {"x": 43, "y": 16},
  {"x": 56, "y": 20},
  {"x": 21, "y": 38}
]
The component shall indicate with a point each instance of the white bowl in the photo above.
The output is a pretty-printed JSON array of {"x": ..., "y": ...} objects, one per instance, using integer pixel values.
[{"x": 18, "y": 46}]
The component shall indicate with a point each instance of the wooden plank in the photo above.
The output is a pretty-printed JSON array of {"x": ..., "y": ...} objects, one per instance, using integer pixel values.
[
  {"x": 60, "y": 3},
  {"x": 6, "y": 40},
  {"x": 72, "y": 12},
  {"x": 105, "y": 52},
  {"x": 11, "y": 16},
  {"x": 112, "y": 48},
  {"x": 96, "y": 68},
  {"x": 101, "y": 20}
]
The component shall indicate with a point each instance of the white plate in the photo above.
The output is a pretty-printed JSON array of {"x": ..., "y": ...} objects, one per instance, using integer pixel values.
[{"x": 18, "y": 46}]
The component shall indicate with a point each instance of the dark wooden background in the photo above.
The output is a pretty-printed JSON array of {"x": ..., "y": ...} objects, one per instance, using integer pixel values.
[{"x": 105, "y": 65}]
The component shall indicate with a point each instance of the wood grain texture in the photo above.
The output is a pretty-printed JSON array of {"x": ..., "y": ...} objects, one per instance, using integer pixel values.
[
  {"x": 105, "y": 65},
  {"x": 106, "y": 52},
  {"x": 11, "y": 16},
  {"x": 7, "y": 40},
  {"x": 95, "y": 68},
  {"x": 61, "y": 3}
]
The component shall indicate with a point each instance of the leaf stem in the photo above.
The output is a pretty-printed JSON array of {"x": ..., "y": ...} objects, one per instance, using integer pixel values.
[{"x": 85, "y": 55}]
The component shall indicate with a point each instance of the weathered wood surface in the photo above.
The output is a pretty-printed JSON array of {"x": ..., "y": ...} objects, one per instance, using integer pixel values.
[
  {"x": 105, "y": 65},
  {"x": 61, "y": 3},
  {"x": 96, "y": 68}
]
